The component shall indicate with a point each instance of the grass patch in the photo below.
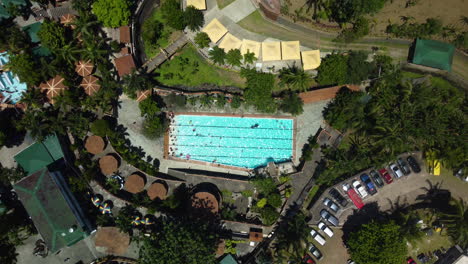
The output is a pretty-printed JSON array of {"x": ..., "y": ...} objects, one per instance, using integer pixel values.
[
  {"x": 189, "y": 69},
  {"x": 152, "y": 48},
  {"x": 223, "y": 3},
  {"x": 429, "y": 244},
  {"x": 411, "y": 75},
  {"x": 442, "y": 83},
  {"x": 311, "y": 194}
]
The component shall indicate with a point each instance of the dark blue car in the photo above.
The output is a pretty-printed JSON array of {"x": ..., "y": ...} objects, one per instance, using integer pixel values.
[{"x": 368, "y": 183}]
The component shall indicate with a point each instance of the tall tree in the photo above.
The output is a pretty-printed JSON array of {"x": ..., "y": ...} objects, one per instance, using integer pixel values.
[
  {"x": 173, "y": 14},
  {"x": 333, "y": 70},
  {"x": 52, "y": 35},
  {"x": 13, "y": 38},
  {"x": 456, "y": 222},
  {"x": 295, "y": 78},
  {"x": 292, "y": 103},
  {"x": 112, "y": 13},
  {"x": 234, "y": 57},
  {"x": 292, "y": 238},
  {"x": 202, "y": 40},
  {"x": 24, "y": 66},
  {"x": 259, "y": 89},
  {"x": 249, "y": 57},
  {"x": 136, "y": 82},
  {"x": 217, "y": 55},
  {"x": 193, "y": 18}
]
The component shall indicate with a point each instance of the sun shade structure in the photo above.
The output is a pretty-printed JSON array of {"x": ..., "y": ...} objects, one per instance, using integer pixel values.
[
  {"x": 67, "y": 19},
  {"x": 142, "y": 95},
  {"x": 157, "y": 190},
  {"x": 53, "y": 87},
  {"x": 95, "y": 144},
  {"x": 205, "y": 200},
  {"x": 215, "y": 30},
  {"x": 251, "y": 46},
  {"x": 432, "y": 53},
  {"x": 271, "y": 51},
  {"x": 112, "y": 241},
  {"x": 125, "y": 65},
  {"x": 84, "y": 68},
  {"x": 40, "y": 154},
  {"x": 90, "y": 85},
  {"x": 32, "y": 31},
  {"x": 310, "y": 59},
  {"x": 198, "y": 4},
  {"x": 290, "y": 50},
  {"x": 124, "y": 33},
  {"x": 53, "y": 209},
  {"x": 108, "y": 164},
  {"x": 230, "y": 42},
  {"x": 134, "y": 183}
]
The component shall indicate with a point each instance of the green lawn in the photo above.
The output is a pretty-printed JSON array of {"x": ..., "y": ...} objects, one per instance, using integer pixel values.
[
  {"x": 223, "y": 3},
  {"x": 429, "y": 244},
  {"x": 411, "y": 75},
  {"x": 190, "y": 69},
  {"x": 152, "y": 49}
]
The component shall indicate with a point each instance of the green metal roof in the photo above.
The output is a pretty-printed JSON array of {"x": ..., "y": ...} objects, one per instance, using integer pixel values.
[
  {"x": 32, "y": 31},
  {"x": 49, "y": 210},
  {"x": 433, "y": 54},
  {"x": 4, "y": 13},
  {"x": 228, "y": 259},
  {"x": 41, "y": 51},
  {"x": 14, "y": 2},
  {"x": 40, "y": 154}
]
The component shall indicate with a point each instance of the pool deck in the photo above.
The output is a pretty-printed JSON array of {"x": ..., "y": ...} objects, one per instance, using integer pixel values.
[{"x": 167, "y": 156}]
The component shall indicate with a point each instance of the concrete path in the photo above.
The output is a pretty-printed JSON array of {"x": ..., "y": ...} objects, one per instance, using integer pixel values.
[
  {"x": 238, "y": 10},
  {"x": 165, "y": 53}
]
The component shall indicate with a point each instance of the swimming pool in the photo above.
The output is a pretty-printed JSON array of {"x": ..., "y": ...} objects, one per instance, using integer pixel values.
[
  {"x": 10, "y": 86},
  {"x": 246, "y": 142}
]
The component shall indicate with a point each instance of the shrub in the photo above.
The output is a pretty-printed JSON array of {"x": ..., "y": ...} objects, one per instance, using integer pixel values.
[
  {"x": 149, "y": 107},
  {"x": 153, "y": 127},
  {"x": 220, "y": 101},
  {"x": 274, "y": 199},
  {"x": 236, "y": 102},
  {"x": 100, "y": 127},
  {"x": 262, "y": 202},
  {"x": 269, "y": 215},
  {"x": 178, "y": 100},
  {"x": 292, "y": 103},
  {"x": 112, "y": 13}
]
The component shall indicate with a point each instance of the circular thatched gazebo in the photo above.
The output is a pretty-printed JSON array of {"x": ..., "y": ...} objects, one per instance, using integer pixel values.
[
  {"x": 90, "y": 84},
  {"x": 108, "y": 164},
  {"x": 95, "y": 144},
  {"x": 135, "y": 183},
  {"x": 157, "y": 190}
]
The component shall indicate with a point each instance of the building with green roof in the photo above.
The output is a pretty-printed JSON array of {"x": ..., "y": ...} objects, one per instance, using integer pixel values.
[
  {"x": 32, "y": 31},
  {"x": 14, "y": 2},
  {"x": 432, "y": 53},
  {"x": 228, "y": 259},
  {"x": 53, "y": 209},
  {"x": 4, "y": 13}
]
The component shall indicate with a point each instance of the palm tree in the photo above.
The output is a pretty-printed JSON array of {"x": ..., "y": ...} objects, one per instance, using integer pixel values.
[
  {"x": 136, "y": 81},
  {"x": 293, "y": 237},
  {"x": 48, "y": 69},
  {"x": 249, "y": 57},
  {"x": 95, "y": 51},
  {"x": 33, "y": 98},
  {"x": 68, "y": 53},
  {"x": 295, "y": 77},
  {"x": 36, "y": 121},
  {"x": 217, "y": 55},
  {"x": 464, "y": 20},
  {"x": 85, "y": 27},
  {"x": 456, "y": 222}
]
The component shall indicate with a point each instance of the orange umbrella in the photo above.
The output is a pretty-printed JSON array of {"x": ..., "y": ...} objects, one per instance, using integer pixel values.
[
  {"x": 90, "y": 84},
  {"x": 67, "y": 19},
  {"x": 142, "y": 95},
  {"x": 53, "y": 87},
  {"x": 84, "y": 68}
]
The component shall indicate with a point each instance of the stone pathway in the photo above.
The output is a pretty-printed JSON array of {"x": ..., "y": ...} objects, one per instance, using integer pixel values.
[
  {"x": 165, "y": 53},
  {"x": 238, "y": 10}
]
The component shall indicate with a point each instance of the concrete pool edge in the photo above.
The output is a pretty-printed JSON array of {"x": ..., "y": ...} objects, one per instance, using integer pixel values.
[{"x": 217, "y": 165}]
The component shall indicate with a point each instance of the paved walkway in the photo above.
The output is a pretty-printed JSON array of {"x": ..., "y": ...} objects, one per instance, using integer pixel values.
[
  {"x": 165, "y": 53},
  {"x": 238, "y": 10}
]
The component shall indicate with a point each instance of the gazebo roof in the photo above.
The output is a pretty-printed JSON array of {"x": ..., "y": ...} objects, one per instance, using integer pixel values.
[
  {"x": 205, "y": 200},
  {"x": 84, "y": 68},
  {"x": 310, "y": 59},
  {"x": 157, "y": 190},
  {"x": 142, "y": 95},
  {"x": 198, "y": 4},
  {"x": 67, "y": 19},
  {"x": 230, "y": 42},
  {"x": 290, "y": 50},
  {"x": 134, "y": 183},
  {"x": 271, "y": 51},
  {"x": 215, "y": 30},
  {"x": 108, "y": 164},
  {"x": 53, "y": 87},
  {"x": 90, "y": 84},
  {"x": 255, "y": 236},
  {"x": 251, "y": 46},
  {"x": 112, "y": 240},
  {"x": 95, "y": 144}
]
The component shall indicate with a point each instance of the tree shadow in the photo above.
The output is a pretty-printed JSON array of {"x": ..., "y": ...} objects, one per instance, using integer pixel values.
[
  {"x": 365, "y": 215},
  {"x": 13, "y": 136},
  {"x": 435, "y": 197}
]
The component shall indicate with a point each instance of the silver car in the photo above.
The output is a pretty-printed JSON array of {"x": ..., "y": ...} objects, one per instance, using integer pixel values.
[
  {"x": 330, "y": 204},
  {"x": 396, "y": 170},
  {"x": 329, "y": 217},
  {"x": 319, "y": 238}
]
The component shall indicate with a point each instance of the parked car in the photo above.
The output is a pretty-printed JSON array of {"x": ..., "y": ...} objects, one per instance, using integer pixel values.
[
  {"x": 351, "y": 261},
  {"x": 368, "y": 183},
  {"x": 322, "y": 226},
  {"x": 319, "y": 238},
  {"x": 330, "y": 204},
  {"x": 377, "y": 179},
  {"x": 329, "y": 217},
  {"x": 404, "y": 166},
  {"x": 338, "y": 197},
  {"x": 396, "y": 170},
  {"x": 413, "y": 164},
  {"x": 359, "y": 189},
  {"x": 386, "y": 176},
  {"x": 315, "y": 252},
  {"x": 410, "y": 260},
  {"x": 355, "y": 198},
  {"x": 308, "y": 259}
]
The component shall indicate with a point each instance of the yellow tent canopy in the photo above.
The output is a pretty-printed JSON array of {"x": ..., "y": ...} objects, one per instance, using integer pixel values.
[
  {"x": 310, "y": 59},
  {"x": 271, "y": 51},
  {"x": 290, "y": 50},
  {"x": 230, "y": 42},
  {"x": 251, "y": 46},
  {"x": 198, "y": 4},
  {"x": 215, "y": 30}
]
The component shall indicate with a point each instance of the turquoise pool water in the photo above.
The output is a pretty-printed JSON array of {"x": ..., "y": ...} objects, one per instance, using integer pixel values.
[
  {"x": 236, "y": 141},
  {"x": 10, "y": 86}
]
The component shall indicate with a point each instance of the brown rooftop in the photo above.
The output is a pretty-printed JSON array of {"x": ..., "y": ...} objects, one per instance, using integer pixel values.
[
  {"x": 90, "y": 84},
  {"x": 205, "y": 200},
  {"x": 324, "y": 93},
  {"x": 124, "y": 34},
  {"x": 53, "y": 87},
  {"x": 84, "y": 68},
  {"x": 134, "y": 183},
  {"x": 157, "y": 190},
  {"x": 255, "y": 236},
  {"x": 108, "y": 164},
  {"x": 112, "y": 240},
  {"x": 95, "y": 144},
  {"x": 125, "y": 65}
]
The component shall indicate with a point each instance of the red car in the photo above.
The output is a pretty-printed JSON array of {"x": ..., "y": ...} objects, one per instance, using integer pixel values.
[
  {"x": 410, "y": 260},
  {"x": 308, "y": 259},
  {"x": 386, "y": 176}
]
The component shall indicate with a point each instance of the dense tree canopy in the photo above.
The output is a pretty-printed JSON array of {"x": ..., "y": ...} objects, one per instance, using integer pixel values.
[
  {"x": 193, "y": 18},
  {"x": 292, "y": 104},
  {"x": 181, "y": 242},
  {"x": 172, "y": 13},
  {"x": 344, "y": 11},
  {"x": 295, "y": 78},
  {"x": 52, "y": 35},
  {"x": 333, "y": 70},
  {"x": 292, "y": 238},
  {"x": 112, "y": 13},
  {"x": 13, "y": 39},
  {"x": 24, "y": 66},
  {"x": 259, "y": 88},
  {"x": 202, "y": 40}
]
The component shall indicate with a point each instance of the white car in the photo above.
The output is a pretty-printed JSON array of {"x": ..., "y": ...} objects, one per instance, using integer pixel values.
[
  {"x": 319, "y": 238},
  {"x": 322, "y": 226},
  {"x": 396, "y": 170},
  {"x": 359, "y": 189}
]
